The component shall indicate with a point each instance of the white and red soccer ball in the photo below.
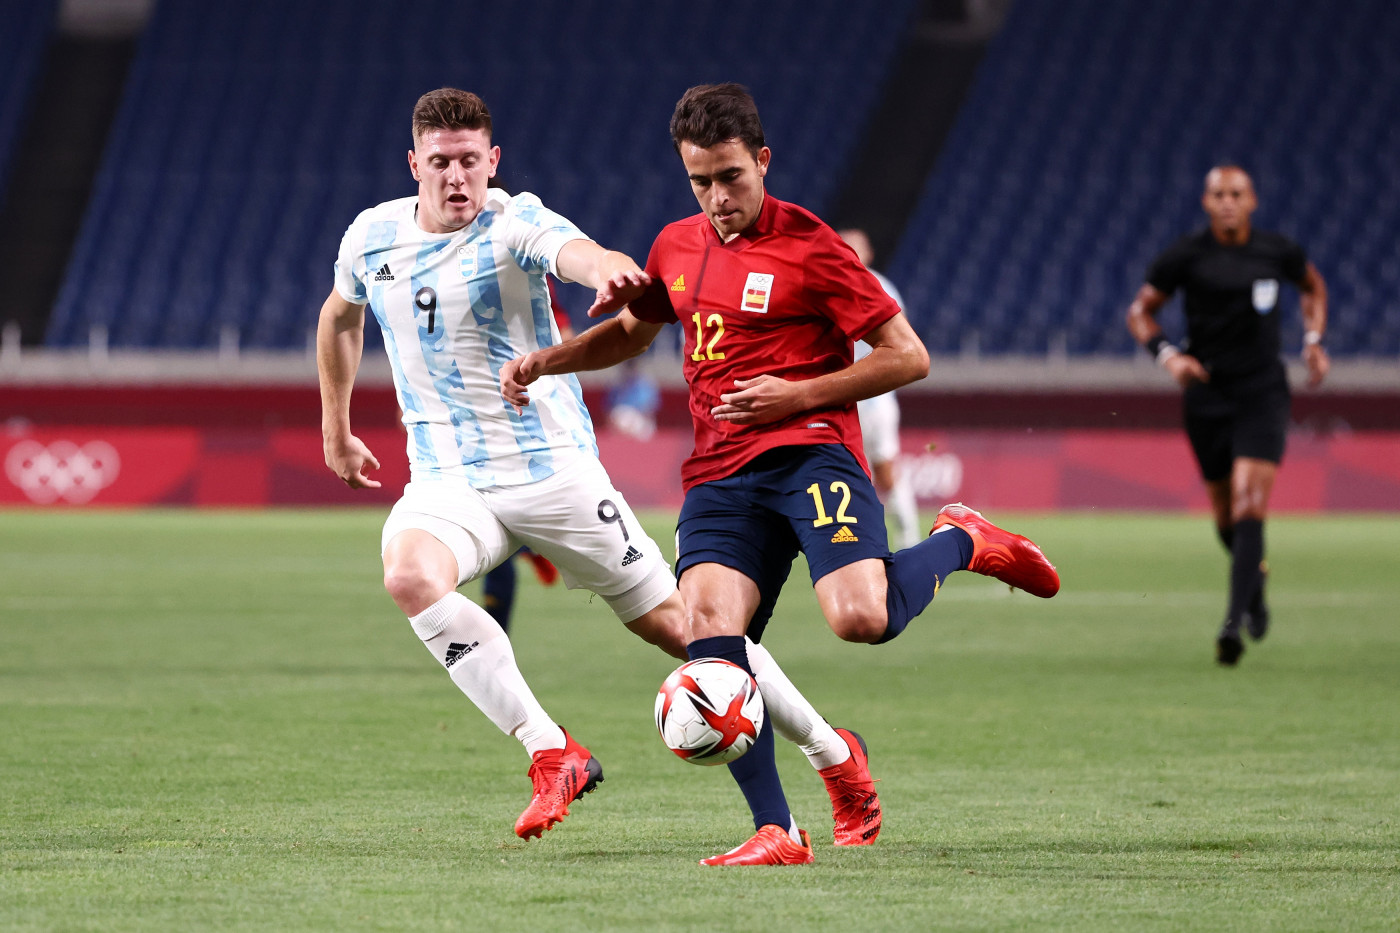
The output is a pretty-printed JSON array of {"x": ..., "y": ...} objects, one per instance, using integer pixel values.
[{"x": 709, "y": 711}]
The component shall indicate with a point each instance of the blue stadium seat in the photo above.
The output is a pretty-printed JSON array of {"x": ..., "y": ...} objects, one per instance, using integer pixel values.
[
  {"x": 27, "y": 25},
  {"x": 251, "y": 134},
  {"x": 1080, "y": 152}
]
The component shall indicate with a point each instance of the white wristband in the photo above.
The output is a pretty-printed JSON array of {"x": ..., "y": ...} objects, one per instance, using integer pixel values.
[
  {"x": 1167, "y": 352},
  {"x": 1312, "y": 338}
]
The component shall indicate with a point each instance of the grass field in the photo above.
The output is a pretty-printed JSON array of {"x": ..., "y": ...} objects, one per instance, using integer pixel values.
[{"x": 219, "y": 721}]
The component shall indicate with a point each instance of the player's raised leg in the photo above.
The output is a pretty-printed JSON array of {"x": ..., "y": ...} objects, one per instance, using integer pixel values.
[
  {"x": 870, "y": 595},
  {"x": 421, "y": 573},
  {"x": 961, "y": 539}
]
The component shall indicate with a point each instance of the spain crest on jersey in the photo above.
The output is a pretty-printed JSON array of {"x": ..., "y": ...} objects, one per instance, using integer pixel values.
[{"x": 756, "y": 291}]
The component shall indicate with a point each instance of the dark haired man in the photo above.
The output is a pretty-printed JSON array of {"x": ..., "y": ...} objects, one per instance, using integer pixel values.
[
  {"x": 771, "y": 300},
  {"x": 456, "y": 277},
  {"x": 1236, "y": 397}
]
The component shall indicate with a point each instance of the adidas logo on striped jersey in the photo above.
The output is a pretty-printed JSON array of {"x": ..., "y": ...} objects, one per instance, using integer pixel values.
[{"x": 384, "y": 275}]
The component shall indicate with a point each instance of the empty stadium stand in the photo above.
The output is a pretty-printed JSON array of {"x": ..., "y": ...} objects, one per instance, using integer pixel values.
[
  {"x": 1081, "y": 149},
  {"x": 27, "y": 25},
  {"x": 251, "y": 134}
]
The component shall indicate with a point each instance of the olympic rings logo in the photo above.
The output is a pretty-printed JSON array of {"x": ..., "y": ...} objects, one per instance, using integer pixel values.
[{"x": 62, "y": 470}]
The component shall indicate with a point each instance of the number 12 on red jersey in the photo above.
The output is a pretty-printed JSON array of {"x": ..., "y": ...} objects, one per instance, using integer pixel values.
[{"x": 715, "y": 322}]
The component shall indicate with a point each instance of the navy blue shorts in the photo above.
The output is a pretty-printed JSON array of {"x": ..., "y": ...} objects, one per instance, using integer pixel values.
[{"x": 815, "y": 499}]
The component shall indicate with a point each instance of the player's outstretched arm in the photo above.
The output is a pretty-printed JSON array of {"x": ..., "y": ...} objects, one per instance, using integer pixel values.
[
  {"x": 599, "y": 347},
  {"x": 1313, "y": 294},
  {"x": 615, "y": 276},
  {"x": 340, "y": 342},
  {"x": 1142, "y": 324},
  {"x": 897, "y": 358}
]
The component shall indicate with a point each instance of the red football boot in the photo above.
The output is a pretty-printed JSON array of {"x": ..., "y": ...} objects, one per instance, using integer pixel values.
[
  {"x": 560, "y": 776},
  {"x": 996, "y": 552},
  {"x": 545, "y": 572},
  {"x": 855, "y": 807},
  {"x": 771, "y": 845}
]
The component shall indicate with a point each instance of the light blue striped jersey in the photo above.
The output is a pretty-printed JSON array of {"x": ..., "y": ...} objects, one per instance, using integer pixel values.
[{"x": 454, "y": 308}]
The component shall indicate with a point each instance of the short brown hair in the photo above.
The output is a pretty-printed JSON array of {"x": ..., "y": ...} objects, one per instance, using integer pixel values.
[
  {"x": 448, "y": 108},
  {"x": 709, "y": 114}
]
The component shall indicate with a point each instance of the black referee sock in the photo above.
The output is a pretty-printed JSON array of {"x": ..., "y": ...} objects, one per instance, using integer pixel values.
[
  {"x": 1227, "y": 537},
  {"x": 1247, "y": 553},
  {"x": 757, "y": 771}
]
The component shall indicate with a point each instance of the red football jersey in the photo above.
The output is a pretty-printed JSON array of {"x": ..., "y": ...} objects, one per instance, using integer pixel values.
[{"x": 784, "y": 298}]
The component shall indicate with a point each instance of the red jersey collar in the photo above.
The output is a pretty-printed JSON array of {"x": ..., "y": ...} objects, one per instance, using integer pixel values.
[{"x": 762, "y": 225}]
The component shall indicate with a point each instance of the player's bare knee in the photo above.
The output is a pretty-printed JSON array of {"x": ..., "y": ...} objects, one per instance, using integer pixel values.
[
  {"x": 863, "y": 624},
  {"x": 1246, "y": 511},
  {"x": 706, "y": 622},
  {"x": 412, "y": 588}
]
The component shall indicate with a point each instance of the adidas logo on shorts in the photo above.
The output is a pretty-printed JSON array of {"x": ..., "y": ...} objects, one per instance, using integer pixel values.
[
  {"x": 844, "y": 536},
  {"x": 632, "y": 556}
]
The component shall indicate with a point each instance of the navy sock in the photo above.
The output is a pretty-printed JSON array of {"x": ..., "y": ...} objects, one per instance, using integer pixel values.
[
  {"x": 757, "y": 771},
  {"x": 1247, "y": 554},
  {"x": 498, "y": 592},
  {"x": 914, "y": 575},
  {"x": 1227, "y": 536}
]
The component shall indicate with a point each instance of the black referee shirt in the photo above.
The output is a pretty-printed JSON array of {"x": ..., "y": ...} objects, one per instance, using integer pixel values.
[{"x": 1231, "y": 295}]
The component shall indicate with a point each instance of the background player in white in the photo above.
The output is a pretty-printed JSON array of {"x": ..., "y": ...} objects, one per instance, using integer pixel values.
[
  {"x": 879, "y": 419},
  {"x": 456, "y": 279}
]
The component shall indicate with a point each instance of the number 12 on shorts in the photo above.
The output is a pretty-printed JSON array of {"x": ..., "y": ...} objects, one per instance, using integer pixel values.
[{"x": 841, "y": 516}]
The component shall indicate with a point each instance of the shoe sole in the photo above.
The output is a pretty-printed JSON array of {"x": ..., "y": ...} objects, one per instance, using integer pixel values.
[{"x": 595, "y": 777}]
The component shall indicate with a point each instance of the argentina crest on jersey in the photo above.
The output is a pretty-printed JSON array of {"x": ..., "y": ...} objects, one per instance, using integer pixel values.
[
  {"x": 466, "y": 261},
  {"x": 1265, "y": 295},
  {"x": 757, "y": 288}
]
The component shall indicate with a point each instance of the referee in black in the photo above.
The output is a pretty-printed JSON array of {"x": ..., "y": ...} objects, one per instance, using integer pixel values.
[{"x": 1236, "y": 397}]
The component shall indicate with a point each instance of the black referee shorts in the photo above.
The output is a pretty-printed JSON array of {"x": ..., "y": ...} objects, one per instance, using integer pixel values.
[{"x": 1237, "y": 416}]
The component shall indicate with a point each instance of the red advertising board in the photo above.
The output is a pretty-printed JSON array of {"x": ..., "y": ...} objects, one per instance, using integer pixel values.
[{"x": 77, "y": 465}]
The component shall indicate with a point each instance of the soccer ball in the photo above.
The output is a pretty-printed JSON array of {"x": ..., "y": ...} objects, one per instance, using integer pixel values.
[{"x": 709, "y": 711}]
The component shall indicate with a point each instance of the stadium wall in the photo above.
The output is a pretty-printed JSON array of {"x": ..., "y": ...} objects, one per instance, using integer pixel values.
[{"x": 252, "y": 446}]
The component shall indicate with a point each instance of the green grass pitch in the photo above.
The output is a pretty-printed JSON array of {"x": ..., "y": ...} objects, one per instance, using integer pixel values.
[{"x": 219, "y": 721}]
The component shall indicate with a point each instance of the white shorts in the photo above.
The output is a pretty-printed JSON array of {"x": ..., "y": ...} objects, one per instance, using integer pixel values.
[
  {"x": 576, "y": 518},
  {"x": 879, "y": 425}
]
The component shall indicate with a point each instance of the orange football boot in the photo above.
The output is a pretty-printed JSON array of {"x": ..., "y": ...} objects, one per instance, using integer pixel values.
[
  {"x": 560, "y": 776},
  {"x": 996, "y": 552},
  {"x": 771, "y": 845},
  {"x": 855, "y": 807}
]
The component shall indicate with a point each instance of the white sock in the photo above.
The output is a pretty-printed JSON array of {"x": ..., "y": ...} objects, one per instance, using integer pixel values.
[
  {"x": 793, "y": 717},
  {"x": 906, "y": 510},
  {"x": 478, "y": 657},
  {"x": 793, "y": 832}
]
